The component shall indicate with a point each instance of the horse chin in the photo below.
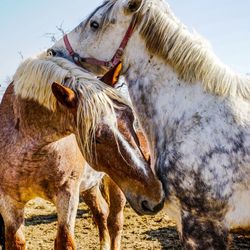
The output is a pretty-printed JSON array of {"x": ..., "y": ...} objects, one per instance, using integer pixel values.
[{"x": 141, "y": 206}]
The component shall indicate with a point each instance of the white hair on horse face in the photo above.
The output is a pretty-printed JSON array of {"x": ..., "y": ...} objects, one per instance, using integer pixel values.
[
  {"x": 33, "y": 80},
  {"x": 111, "y": 122}
]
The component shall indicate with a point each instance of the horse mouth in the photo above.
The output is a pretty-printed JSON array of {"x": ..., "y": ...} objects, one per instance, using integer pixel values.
[{"x": 144, "y": 208}]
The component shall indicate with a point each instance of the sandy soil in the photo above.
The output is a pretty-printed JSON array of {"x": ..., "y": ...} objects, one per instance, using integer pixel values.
[{"x": 156, "y": 232}]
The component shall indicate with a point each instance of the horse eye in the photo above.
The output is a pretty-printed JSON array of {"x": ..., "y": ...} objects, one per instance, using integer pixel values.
[
  {"x": 97, "y": 141},
  {"x": 94, "y": 25}
]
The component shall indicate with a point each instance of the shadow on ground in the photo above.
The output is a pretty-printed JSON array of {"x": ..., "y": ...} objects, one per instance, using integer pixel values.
[
  {"x": 168, "y": 237},
  {"x": 241, "y": 241},
  {"x": 50, "y": 218}
]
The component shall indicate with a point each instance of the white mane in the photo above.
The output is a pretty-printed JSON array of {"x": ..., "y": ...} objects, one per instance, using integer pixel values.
[
  {"x": 187, "y": 53},
  {"x": 33, "y": 80}
]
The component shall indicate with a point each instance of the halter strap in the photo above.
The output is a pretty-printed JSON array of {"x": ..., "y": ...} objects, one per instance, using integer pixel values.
[
  {"x": 93, "y": 61},
  {"x": 68, "y": 45}
]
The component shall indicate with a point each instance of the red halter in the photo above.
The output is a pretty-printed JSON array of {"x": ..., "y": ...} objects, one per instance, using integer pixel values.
[{"x": 108, "y": 64}]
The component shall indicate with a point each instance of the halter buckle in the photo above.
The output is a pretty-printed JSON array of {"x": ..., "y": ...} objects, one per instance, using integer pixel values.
[
  {"x": 119, "y": 52},
  {"x": 76, "y": 58}
]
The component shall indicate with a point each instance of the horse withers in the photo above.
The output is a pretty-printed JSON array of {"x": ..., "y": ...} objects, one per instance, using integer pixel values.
[{"x": 40, "y": 156}]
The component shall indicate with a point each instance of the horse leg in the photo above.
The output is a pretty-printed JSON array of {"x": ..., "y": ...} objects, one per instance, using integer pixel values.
[
  {"x": 117, "y": 203},
  {"x": 14, "y": 224},
  {"x": 99, "y": 207},
  {"x": 66, "y": 203},
  {"x": 203, "y": 233}
]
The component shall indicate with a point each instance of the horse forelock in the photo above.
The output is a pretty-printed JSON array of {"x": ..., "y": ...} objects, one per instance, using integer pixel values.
[{"x": 33, "y": 80}]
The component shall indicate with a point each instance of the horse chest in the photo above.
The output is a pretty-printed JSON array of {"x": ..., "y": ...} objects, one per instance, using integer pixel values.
[{"x": 197, "y": 146}]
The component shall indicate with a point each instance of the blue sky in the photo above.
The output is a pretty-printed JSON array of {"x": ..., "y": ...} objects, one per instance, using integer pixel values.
[{"x": 225, "y": 23}]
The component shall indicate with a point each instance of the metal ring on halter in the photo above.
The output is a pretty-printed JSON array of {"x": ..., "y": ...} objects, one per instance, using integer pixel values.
[
  {"x": 76, "y": 58},
  {"x": 120, "y": 52},
  {"x": 109, "y": 65},
  {"x": 51, "y": 52}
]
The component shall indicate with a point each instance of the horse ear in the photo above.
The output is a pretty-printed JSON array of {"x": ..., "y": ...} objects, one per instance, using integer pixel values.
[
  {"x": 112, "y": 76},
  {"x": 131, "y": 6},
  {"x": 65, "y": 96}
]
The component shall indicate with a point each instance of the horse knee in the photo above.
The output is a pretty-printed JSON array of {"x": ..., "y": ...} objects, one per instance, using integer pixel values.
[
  {"x": 64, "y": 240},
  {"x": 97, "y": 204},
  {"x": 203, "y": 233},
  {"x": 99, "y": 208},
  {"x": 115, "y": 218},
  {"x": 115, "y": 224}
]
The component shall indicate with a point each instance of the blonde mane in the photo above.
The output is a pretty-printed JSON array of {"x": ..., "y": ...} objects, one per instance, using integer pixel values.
[
  {"x": 189, "y": 55},
  {"x": 33, "y": 80}
]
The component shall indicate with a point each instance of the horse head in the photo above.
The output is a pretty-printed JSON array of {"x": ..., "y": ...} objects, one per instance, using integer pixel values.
[{"x": 115, "y": 148}]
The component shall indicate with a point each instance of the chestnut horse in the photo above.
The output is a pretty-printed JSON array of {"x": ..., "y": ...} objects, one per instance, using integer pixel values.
[
  {"x": 90, "y": 179},
  {"x": 40, "y": 135}
]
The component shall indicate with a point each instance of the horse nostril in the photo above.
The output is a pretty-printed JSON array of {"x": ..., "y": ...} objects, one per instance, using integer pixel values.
[
  {"x": 145, "y": 206},
  {"x": 159, "y": 207}
]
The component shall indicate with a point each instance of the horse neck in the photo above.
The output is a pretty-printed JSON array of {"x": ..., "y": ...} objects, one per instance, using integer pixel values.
[
  {"x": 157, "y": 94},
  {"x": 35, "y": 122}
]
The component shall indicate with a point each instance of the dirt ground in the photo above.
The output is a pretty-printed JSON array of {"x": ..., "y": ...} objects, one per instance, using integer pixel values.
[{"x": 146, "y": 232}]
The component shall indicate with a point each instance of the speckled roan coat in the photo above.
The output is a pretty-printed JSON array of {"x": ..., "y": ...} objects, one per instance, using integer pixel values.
[{"x": 199, "y": 140}]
